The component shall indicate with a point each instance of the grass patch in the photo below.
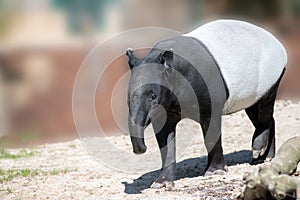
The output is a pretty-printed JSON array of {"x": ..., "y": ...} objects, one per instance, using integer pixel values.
[
  {"x": 4, "y": 154},
  {"x": 9, "y": 190},
  {"x": 7, "y": 175},
  {"x": 58, "y": 171},
  {"x": 72, "y": 146},
  {"x": 10, "y": 174}
]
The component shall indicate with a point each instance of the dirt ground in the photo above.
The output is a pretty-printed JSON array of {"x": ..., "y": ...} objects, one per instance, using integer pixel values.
[{"x": 72, "y": 170}]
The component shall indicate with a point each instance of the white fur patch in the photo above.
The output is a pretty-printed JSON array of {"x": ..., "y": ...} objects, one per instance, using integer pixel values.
[{"x": 251, "y": 59}]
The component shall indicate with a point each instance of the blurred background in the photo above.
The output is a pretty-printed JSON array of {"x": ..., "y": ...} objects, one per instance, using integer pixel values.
[{"x": 44, "y": 42}]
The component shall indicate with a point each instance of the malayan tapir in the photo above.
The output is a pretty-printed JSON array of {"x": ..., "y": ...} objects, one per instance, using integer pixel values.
[{"x": 219, "y": 68}]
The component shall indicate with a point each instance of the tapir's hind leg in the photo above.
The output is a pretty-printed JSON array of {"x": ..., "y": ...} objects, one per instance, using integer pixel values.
[
  {"x": 263, "y": 140},
  {"x": 261, "y": 115}
]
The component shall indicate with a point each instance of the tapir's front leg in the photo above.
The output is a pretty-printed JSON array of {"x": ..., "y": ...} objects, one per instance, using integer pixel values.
[
  {"x": 165, "y": 136},
  {"x": 211, "y": 128}
]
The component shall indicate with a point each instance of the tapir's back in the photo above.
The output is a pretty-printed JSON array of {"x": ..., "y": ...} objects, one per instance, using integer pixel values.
[{"x": 251, "y": 59}]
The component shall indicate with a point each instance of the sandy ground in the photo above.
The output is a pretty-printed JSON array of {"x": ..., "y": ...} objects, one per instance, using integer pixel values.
[{"x": 87, "y": 169}]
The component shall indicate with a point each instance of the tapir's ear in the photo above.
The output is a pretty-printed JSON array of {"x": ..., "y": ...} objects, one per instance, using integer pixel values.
[
  {"x": 129, "y": 52},
  {"x": 132, "y": 59},
  {"x": 168, "y": 73},
  {"x": 167, "y": 56}
]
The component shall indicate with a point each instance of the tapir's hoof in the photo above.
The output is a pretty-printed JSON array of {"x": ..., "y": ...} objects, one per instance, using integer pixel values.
[
  {"x": 216, "y": 172},
  {"x": 260, "y": 160},
  {"x": 257, "y": 153},
  {"x": 260, "y": 157},
  {"x": 169, "y": 185}
]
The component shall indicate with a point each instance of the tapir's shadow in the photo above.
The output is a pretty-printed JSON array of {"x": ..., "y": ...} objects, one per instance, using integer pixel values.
[{"x": 188, "y": 168}]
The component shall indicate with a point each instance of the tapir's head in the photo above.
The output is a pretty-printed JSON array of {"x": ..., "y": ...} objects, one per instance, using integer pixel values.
[{"x": 149, "y": 94}]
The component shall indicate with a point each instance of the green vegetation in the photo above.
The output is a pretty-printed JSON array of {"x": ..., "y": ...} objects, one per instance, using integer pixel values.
[
  {"x": 9, "y": 190},
  {"x": 72, "y": 146},
  {"x": 8, "y": 175},
  {"x": 4, "y": 154},
  {"x": 58, "y": 171}
]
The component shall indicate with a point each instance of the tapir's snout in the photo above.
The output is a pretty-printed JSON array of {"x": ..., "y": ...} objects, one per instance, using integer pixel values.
[
  {"x": 137, "y": 137},
  {"x": 139, "y": 146}
]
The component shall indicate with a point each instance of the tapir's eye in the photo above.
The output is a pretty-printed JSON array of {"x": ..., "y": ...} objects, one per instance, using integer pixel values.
[{"x": 153, "y": 96}]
